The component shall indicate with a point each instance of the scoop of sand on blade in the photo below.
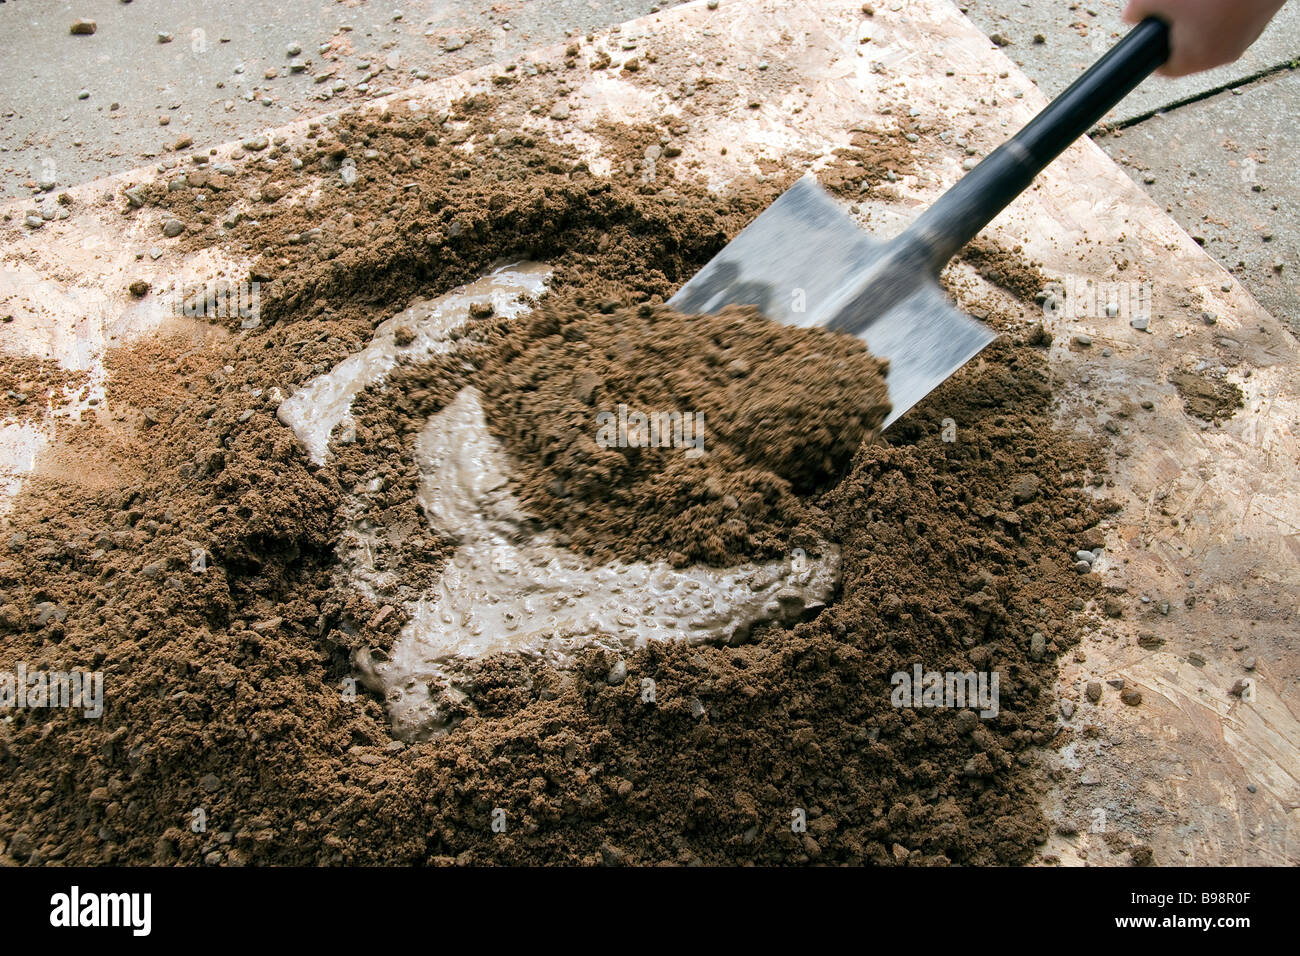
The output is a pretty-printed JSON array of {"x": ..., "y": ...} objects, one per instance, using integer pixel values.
[{"x": 804, "y": 262}]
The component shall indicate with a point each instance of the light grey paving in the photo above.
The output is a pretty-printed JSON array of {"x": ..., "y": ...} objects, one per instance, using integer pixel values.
[
  {"x": 210, "y": 80},
  {"x": 1076, "y": 34}
]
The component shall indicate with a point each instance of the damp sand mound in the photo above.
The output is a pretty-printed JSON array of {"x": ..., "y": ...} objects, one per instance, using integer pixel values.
[
  {"x": 232, "y": 687},
  {"x": 644, "y": 433},
  {"x": 656, "y": 461}
]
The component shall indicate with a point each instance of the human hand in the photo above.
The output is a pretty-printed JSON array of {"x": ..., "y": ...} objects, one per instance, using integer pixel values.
[{"x": 1206, "y": 33}]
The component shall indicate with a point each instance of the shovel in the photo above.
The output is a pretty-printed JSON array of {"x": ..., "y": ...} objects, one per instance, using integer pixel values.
[{"x": 804, "y": 262}]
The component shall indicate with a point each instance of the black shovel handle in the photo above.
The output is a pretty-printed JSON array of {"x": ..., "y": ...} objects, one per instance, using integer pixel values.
[{"x": 986, "y": 190}]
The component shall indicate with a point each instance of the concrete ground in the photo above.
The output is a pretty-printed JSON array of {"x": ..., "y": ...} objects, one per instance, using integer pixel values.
[
  {"x": 73, "y": 108},
  {"x": 1215, "y": 150}
]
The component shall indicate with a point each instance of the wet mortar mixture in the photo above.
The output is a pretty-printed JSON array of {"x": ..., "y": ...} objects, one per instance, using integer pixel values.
[{"x": 267, "y": 612}]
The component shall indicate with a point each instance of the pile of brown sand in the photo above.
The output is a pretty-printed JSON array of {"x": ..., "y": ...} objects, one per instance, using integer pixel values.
[
  {"x": 206, "y": 591},
  {"x": 29, "y": 386},
  {"x": 761, "y": 418}
]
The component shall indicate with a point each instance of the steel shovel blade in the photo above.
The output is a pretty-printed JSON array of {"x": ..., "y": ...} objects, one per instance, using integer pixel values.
[{"x": 804, "y": 262}]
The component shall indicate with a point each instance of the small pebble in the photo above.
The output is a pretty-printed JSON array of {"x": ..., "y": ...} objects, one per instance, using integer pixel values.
[
  {"x": 1025, "y": 488},
  {"x": 83, "y": 28}
]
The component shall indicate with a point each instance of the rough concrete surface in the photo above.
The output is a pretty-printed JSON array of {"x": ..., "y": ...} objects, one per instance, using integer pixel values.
[
  {"x": 1075, "y": 34},
  {"x": 227, "y": 72}
]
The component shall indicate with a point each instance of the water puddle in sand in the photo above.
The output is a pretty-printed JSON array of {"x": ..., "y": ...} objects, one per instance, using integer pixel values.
[
  {"x": 325, "y": 403},
  {"x": 509, "y": 588}
]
